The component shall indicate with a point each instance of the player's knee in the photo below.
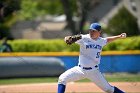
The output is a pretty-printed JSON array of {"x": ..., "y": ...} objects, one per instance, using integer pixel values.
[
  {"x": 109, "y": 89},
  {"x": 61, "y": 80}
]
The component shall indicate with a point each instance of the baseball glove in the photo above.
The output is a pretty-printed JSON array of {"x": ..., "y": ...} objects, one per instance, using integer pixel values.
[{"x": 71, "y": 39}]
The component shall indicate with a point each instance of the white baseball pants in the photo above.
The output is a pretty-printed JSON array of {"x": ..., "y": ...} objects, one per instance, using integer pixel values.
[{"x": 77, "y": 73}]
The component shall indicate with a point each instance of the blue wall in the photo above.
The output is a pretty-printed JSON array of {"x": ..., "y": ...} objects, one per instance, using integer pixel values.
[
  {"x": 120, "y": 63},
  {"x": 109, "y": 63}
]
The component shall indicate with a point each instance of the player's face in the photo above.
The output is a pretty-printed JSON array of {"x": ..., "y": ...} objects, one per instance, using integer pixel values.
[{"x": 94, "y": 34}]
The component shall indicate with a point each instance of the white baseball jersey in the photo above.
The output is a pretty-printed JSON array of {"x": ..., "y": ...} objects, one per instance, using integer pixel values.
[{"x": 90, "y": 50}]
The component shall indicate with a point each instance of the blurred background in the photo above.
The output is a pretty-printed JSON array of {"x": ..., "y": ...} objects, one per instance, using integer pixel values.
[
  {"x": 39, "y": 19},
  {"x": 32, "y": 32}
]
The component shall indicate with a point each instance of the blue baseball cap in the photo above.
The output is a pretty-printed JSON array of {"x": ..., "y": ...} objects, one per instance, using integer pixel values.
[{"x": 95, "y": 26}]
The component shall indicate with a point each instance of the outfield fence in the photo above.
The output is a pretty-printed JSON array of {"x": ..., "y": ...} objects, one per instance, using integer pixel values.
[{"x": 111, "y": 61}]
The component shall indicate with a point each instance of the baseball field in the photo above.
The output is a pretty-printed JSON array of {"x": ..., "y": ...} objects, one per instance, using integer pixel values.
[{"x": 128, "y": 82}]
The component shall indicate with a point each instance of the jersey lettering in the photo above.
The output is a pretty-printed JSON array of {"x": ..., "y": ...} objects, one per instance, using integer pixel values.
[
  {"x": 93, "y": 46},
  {"x": 98, "y": 55}
]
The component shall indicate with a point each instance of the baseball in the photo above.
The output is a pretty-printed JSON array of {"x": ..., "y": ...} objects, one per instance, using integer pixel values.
[{"x": 123, "y": 35}]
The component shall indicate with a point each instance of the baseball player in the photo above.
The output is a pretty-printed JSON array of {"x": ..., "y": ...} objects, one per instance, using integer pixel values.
[{"x": 89, "y": 59}]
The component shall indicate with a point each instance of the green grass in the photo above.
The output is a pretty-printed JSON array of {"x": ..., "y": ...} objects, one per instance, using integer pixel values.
[
  {"x": 123, "y": 77},
  {"x": 110, "y": 77},
  {"x": 119, "y": 77},
  {"x": 28, "y": 80}
]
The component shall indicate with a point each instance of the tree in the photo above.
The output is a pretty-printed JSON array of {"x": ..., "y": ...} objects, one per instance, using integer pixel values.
[
  {"x": 69, "y": 15},
  {"x": 82, "y": 7},
  {"x": 7, "y": 10},
  {"x": 13, "y": 10},
  {"x": 30, "y": 9},
  {"x": 124, "y": 21}
]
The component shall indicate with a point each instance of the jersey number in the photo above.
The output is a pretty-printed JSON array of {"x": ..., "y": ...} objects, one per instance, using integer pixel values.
[{"x": 98, "y": 55}]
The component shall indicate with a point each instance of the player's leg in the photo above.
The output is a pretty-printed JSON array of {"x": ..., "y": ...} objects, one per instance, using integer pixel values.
[
  {"x": 61, "y": 88},
  {"x": 116, "y": 90},
  {"x": 101, "y": 82},
  {"x": 72, "y": 74}
]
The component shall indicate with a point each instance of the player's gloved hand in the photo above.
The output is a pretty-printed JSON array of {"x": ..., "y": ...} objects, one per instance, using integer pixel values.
[
  {"x": 68, "y": 40},
  {"x": 71, "y": 39},
  {"x": 123, "y": 35}
]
